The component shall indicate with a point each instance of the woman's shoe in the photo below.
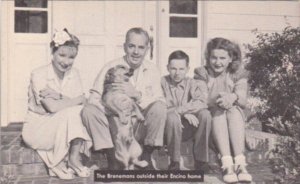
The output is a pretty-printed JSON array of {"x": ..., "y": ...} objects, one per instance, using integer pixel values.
[
  {"x": 61, "y": 173},
  {"x": 240, "y": 168},
  {"x": 242, "y": 174},
  {"x": 229, "y": 176},
  {"x": 83, "y": 172}
]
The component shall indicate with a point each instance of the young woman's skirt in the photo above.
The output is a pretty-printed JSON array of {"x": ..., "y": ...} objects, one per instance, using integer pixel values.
[{"x": 51, "y": 135}]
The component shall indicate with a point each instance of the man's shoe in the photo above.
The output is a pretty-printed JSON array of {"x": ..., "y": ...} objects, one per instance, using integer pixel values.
[
  {"x": 149, "y": 166},
  {"x": 146, "y": 155},
  {"x": 113, "y": 163},
  {"x": 202, "y": 166},
  {"x": 174, "y": 166}
]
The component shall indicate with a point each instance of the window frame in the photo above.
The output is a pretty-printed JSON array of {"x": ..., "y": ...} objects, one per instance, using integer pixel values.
[
  {"x": 47, "y": 10},
  {"x": 184, "y": 15}
]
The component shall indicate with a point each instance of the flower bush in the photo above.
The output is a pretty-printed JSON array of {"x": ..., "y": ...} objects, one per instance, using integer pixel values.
[{"x": 274, "y": 65}]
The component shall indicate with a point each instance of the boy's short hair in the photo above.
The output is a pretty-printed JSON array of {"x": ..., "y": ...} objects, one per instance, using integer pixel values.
[
  {"x": 137, "y": 30},
  {"x": 179, "y": 54}
]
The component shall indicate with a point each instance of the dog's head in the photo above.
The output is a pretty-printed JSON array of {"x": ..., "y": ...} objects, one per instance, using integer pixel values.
[{"x": 119, "y": 73}]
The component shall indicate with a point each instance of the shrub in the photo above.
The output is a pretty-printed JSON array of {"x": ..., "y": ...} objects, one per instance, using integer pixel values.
[{"x": 274, "y": 65}]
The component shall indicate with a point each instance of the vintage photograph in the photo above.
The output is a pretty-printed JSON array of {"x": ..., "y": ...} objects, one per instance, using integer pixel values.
[{"x": 157, "y": 91}]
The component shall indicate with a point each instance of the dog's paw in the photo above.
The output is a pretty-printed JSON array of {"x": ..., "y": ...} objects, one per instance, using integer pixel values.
[{"x": 142, "y": 163}]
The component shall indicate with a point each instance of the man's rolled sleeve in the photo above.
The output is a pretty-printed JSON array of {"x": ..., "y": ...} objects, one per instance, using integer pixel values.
[
  {"x": 151, "y": 90},
  {"x": 99, "y": 81},
  {"x": 158, "y": 92}
]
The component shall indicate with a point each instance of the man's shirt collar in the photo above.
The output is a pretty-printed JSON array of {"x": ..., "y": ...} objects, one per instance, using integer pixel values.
[{"x": 143, "y": 67}]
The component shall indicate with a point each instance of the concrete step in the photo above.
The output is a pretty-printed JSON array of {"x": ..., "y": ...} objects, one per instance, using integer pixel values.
[
  {"x": 18, "y": 160},
  {"x": 17, "y": 154},
  {"x": 34, "y": 169}
]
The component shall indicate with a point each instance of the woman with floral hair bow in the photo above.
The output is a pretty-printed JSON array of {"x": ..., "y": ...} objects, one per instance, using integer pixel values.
[{"x": 55, "y": 98}]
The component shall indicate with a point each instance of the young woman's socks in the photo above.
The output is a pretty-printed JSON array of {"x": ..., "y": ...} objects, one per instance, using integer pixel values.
[
  {"x": 240, "y": 168},
  {"x": 229, "y": 176}
]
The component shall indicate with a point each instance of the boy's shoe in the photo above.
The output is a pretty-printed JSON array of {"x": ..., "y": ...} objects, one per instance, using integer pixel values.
[
  {"x": 174, "y": 166},
  {"x": 242, "y": 174},
  {"x": 229, "y": 176},
  {"x": 202, "y": 166}
]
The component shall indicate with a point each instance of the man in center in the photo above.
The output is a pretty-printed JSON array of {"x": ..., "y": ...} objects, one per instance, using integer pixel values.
[
  {"x": 143, "y": 87},
  {"x": 187, "y": 116}
]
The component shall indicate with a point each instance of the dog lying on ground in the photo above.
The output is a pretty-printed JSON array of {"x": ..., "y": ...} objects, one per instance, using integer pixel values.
[{"x": 127, "y": 112}]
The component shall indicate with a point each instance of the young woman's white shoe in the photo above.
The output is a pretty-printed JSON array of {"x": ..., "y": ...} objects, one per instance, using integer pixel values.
[
  {"x": 240, "y": 169},
  {"x": 229, "y": 176}
]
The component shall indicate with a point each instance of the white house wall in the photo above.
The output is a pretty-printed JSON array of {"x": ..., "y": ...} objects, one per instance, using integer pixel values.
[
  {"x": 101, "y": 27},
  {"x": 236, "y": 19}
]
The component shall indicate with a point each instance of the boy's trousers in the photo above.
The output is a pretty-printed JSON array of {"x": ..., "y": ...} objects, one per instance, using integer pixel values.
[{"x": 175, "y": 134}]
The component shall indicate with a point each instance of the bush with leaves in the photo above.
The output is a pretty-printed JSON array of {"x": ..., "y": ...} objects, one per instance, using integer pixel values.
[{"x": 274, "y": 65}]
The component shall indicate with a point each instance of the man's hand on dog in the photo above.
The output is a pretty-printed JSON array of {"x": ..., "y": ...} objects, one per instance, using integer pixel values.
[{"x": 128, "y": 89}]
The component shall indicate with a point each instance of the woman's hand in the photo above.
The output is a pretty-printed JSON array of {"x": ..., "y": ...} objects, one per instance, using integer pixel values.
[
  {"x": 50, "y": 93},
  {"x": 53, "y": 105},
  {"x": 226, "y": 100}
]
